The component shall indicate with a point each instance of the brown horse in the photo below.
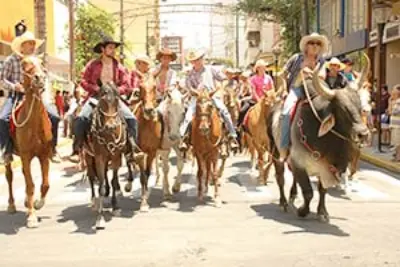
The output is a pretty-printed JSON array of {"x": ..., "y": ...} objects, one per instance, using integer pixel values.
[
  {"x": 149, "y": 135},
  {"x": 31, "y": 123},
  {"x": 107, "y": 143},
  {"x": 206, "y": 138}
]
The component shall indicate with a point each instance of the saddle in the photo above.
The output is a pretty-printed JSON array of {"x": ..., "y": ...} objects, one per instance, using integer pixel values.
[{"x": 45, "y": 118}]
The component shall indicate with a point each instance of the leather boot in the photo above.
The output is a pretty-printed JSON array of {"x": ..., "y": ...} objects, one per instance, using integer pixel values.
[
  {"x": 233, "y": 143},
  {"x": 184, "y": 145},
  {"x": 135, "y": 155}
]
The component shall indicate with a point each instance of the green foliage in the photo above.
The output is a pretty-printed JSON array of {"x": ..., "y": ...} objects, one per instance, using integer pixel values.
[
  {"x": 223, "y": 61},
  {"x": 90, "y": 23},
  {"x": 285, "y": 12}
]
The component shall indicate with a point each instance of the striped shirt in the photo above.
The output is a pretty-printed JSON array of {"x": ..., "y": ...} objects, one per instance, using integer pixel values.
[{"x": 11, "y": 73}]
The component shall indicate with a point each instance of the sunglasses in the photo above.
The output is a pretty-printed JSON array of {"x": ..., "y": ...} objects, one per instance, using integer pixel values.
[{"x": 314, "y": 43}]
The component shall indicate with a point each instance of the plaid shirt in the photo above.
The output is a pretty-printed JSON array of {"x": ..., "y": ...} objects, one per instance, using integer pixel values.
[
  {"x": 207, "y": 76},
  {"x": 11, "y": 73}
]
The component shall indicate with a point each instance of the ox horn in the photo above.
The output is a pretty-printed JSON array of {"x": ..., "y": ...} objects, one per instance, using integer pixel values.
[
  {"x": 194, "y": 92},
  {"x": 283, "y": 87},
  {"x": 364, "y": 72},
  {"x": 320, "y": 87}
]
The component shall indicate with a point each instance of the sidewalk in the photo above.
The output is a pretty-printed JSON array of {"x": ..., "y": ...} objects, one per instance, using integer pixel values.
[{"x": 382, "y": 160}]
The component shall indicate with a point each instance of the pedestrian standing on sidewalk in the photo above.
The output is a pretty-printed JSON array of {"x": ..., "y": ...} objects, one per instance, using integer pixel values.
[{"x": 394, "y": 111}]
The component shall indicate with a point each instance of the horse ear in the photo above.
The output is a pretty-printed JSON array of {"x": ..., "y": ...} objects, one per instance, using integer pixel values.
[{"x": 194, "y": 92}]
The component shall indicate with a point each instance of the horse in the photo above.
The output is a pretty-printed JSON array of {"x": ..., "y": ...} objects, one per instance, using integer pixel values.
[
  {"x": 173, "y": 114},
  {"x": 206, "y": 136},
  {"x": 32, "y": 137},
  {"x": 108, "y": 142},
  {"x": 149, "y": 135}
]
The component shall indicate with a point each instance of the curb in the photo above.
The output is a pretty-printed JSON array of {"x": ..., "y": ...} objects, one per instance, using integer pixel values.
[
  {"x": 17, "y": 162},
  {"x": 391, "y": 166}
]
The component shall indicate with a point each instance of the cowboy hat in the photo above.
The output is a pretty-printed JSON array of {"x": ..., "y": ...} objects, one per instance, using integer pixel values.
[
  {"x": 259, "y": 63},
  {"x": 335, "y": 61},
  {"x": 195, "y": 54},
  {"x": 347, "y": 61},
  {"x": 106, "y": 41},
  {"x": 26, "y": 37},
  {"x": 315, "y": 37},
  {"x": 143, "y": 58},
  {"x": 232, "y": 71},
  {"x": 246, "y": 74},
  {"x": 166, "y": 52}
]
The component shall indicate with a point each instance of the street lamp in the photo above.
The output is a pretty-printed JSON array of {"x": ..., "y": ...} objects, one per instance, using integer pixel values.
[
  {"x": 382, "y": 10},
  {"x": 277, "y": 52}
]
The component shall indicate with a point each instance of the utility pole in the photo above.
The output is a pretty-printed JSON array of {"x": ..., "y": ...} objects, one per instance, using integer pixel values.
[
  {"x": 370, "y": 52},
  {"x": 122, "y": 31},
  {"x": 40, "y": 18},
  {"x": 237, "y": 38},
  {"x": 71, "y": 9},
  {"x": 306, "y": 18},
  {"x": 147, "y": 38}
]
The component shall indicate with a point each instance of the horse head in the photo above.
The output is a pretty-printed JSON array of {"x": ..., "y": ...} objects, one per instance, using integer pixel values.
[
  {"x": 204, "y": 109},
  {"x": 34, "y": 75},
  {"x": 108, "y": 104},
  {"x": 148, "y": 96},
  {"x": 174, "y": 113}
]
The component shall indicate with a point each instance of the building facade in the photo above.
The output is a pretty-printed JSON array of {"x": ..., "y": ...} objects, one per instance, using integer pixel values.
[{"x": 175, "y": 43}]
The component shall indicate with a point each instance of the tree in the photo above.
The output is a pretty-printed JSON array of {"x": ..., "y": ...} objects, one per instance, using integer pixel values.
[
  {"x": 285, "y": 12},
  {"x": 91, "y": 22}
]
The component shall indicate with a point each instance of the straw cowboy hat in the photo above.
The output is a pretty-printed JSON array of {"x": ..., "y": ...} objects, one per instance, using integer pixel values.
[
  {"x": 106, "y": 41},
  {"x": 26, "y": 37},
  {"x": 166, "y": 52},
  {"x": 259, "y": 63},
  {"x": 195, "y": 54},
  {"x": 143, "y": 58},
  {"x": 232, "y": 71},
  {"x": 315, "y": 37},
  {"x": 335, "y": 61},
  {"x": 246, "y": 74}
]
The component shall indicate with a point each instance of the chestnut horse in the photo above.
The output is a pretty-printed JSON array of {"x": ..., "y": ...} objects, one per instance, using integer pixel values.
[
  {"x": 206, "y": 136},
  {"x": 149, "y": 135},
  {"x": 31, "y": 124},
  {"x": 108, "y": 142}
]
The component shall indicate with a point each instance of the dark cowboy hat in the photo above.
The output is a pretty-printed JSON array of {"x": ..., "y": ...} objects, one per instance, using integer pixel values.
[
  {"x": 106, "y": 41},
  {"x": 166, "y": 52}
]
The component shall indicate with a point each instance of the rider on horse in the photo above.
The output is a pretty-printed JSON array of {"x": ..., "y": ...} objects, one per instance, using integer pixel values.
[
  {"x": 206, "y": 76},
  {"x": 312, "y": 47},
  {"x": 142, "y": 64},
  {"x": 11, "y": 78},
  {"x": 165, "y": 76},
  {"x": 107, "y": 69}
]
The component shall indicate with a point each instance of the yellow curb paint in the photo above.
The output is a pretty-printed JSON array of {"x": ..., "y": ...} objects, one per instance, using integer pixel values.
[
  {"x": 17, "y": 163},
  {"x": 391, "y": 166}
]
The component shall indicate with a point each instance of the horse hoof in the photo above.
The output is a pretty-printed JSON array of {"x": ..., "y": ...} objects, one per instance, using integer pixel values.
[
  {"x": 93, "y": 204},
  {"x": 100, "y": 224},
  {"x": 144, "y": 208},
  {"x": 323, "y": 218},
  {"x": 32, "y": 222},
  {"x": 128, "y": 187},
  {"x": 303, "y": 211},
  {"x": 118, "y": 193},
  {"x": 218, "y": 203},
  {"x": 167, "y": 197},
  {"x": 11, "y": 209},
  {"x": 116, "y": 212},
  {"x": 176, "y": 188},
  {"x": 26, "y": 203},
  {"x": 38, "y": 204}
]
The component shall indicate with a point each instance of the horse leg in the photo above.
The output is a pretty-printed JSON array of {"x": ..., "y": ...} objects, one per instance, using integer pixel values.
[
  {"x": 32, "y": 220},
  {"x": 165, "y": 166},
  {"x": 158, "y": 175},
  {"x": 107, "y": 183},
  {"x": 215, "y": 177},
  {"x": 128, "y": 186},
  {"x": 115, "y": 189},
  {"x": 200, "y": 173},
  {"x": 221, "y": 170},
  {"x": 100, "y": 170},
  {"x": 91, "y": 174},
  {"x": 208, "y": 176},
  {"x": 44, "y": 164},
  {"x": 144, "y": 180},
  {"x": 260, "y": 167},
  {"x": 280, "y": 180},
  {"x": 11, "y": 202},
  {"x": 302, "y": 178},
  {"x": 179, "y": 165},
  {"x": 322, "y": 212}
]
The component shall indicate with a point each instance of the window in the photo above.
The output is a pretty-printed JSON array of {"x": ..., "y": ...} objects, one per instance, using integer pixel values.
[
  {"x": 356, "y": 15},
  {"x": 325, "y": 17},
  {"x": 335, "y": 20}
]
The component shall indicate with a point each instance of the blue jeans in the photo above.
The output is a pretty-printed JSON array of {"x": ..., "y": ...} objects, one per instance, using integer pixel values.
[
  {"x": 295, "y": 94},
  {"x": 82, "y": 122},
  {"x": 219, "y": 104},
  {"x": 6, "y": 145}
]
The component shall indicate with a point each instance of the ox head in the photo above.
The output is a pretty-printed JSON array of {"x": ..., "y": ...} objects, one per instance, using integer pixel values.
[
  {"x": 174, "y": 113},
  {"x": 204, "y": 108},
  {"x": 34, "y": 74},
  {"x": 342, "y": 105},
  {"x": 108, "y": 104}
]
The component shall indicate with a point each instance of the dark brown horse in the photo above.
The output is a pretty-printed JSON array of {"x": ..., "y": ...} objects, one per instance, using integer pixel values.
[
  {"x": 32, "y": 138},
  {"x": 206, "y": 138},
  {"x": 149, "y": 134},
  {"x": 108, "y": 138}
]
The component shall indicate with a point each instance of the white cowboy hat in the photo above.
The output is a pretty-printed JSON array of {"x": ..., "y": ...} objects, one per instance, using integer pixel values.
[
  {"x": 195, "y": 54},
  {"x": 144, "y": 58},
  {"x": 259, "y": 63},
  {"x": 335, "y": 61},
  {"x": 315, "y": 37},
  {"x": 246, "y": 74},
  {"x": 26, "y": 37}
]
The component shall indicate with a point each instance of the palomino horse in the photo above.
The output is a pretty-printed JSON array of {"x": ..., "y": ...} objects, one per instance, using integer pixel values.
[
  {"x": 173, "y": 115},
  {"x": 31, "y": 122},
  {"x": 108, "y": 138},
  {"x": 256, "y": 131},
  {"x": 149, "y": 135},
  {"x": 206, "y": 138}
]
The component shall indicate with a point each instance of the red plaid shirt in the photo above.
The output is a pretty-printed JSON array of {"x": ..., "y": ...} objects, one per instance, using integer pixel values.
[{"x": 92, "y": 73}]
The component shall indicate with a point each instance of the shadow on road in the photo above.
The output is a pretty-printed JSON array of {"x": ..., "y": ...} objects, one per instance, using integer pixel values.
[
  {"x": 11, "y": 223},
  {"x": 308, "y": 225}
]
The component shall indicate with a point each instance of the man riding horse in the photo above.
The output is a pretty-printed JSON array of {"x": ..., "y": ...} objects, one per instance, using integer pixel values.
[
  {"x": 11, "y": 78},
  {"x": 207, "y": 77},
  {"x": 107, "y": 69},
  {"x": 165, "y": 76}
]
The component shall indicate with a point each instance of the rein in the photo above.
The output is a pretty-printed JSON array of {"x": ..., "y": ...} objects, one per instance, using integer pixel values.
[{"x": 19, "y": 125}]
